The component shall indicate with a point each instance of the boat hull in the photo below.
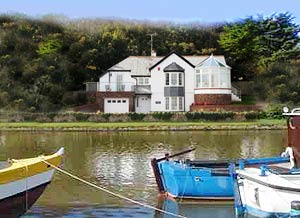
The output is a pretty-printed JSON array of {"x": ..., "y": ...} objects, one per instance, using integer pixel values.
[
  {"x": 202, "y": 180},
  {"x": 15, "y": 206},
  {"x": 23, "y": 181},
  {"x": 265, "y": 198},
  {"x": 193, "y": 183}
]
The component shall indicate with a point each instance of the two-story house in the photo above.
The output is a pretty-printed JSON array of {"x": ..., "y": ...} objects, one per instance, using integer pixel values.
[{"x": 170, "y": 83}]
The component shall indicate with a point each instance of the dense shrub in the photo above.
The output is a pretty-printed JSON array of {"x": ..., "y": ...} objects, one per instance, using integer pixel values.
[
  {"x": 254, "y": 115},
  {"x": 162, "y": 115},
  {"x": 209, "y": 116},
  {"x": 136, "y": 116}
]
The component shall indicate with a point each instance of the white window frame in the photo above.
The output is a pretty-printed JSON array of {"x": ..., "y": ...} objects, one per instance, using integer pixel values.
[
  {"x": 143, "y": 81},
  {"x": 119, "y": 82},
  {"x": 167, "y": 103},
  {"x": 178, "y": 77},
  {"x": 140, "y": 81},
  {"x": 167, "y": 79},
  {"x": 215, "y": 78},
  {"x": 174, "y": 103}
]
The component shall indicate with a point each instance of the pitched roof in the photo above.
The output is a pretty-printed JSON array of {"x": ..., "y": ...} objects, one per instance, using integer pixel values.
[
  {"x": 173, "y": 52},
  {"x": 173, "y": 67},
  {"x": 141, "y": 65},
  {"x": 212, "y": 62},
  {"x": 137, "y": 65}
]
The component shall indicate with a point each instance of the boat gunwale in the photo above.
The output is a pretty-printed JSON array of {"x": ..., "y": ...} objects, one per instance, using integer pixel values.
[{"x": 277, "y": 187}]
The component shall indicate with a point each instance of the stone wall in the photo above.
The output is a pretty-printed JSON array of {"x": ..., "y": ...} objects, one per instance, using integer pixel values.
[
  {"x": 212, "y": 99},
  {"x": 100, "y": 96}
]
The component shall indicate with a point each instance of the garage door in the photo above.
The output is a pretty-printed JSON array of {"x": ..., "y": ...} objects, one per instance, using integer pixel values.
[{"x": 116, "y": 105}]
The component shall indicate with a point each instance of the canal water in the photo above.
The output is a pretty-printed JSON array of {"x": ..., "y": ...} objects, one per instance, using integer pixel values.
[{"x": 120, "y": 161}]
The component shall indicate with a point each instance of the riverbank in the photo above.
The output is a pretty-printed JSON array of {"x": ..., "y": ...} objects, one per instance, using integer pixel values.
[{"x": 144, "y": 126}]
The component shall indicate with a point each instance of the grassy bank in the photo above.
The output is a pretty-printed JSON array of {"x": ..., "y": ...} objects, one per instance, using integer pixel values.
[{"x": 137, "y": 126}]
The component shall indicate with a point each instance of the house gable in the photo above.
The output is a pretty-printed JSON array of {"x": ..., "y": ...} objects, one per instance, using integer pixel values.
[{"x": 168, "y": 55}]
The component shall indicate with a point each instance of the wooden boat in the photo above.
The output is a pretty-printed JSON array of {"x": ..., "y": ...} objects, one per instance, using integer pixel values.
[
  {"x": 272, "y": 190},
  {"x": 23, "y": 181},
  {"x": 200, "y": 179}
]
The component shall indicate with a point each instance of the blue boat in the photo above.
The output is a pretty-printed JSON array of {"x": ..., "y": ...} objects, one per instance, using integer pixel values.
[{"x": 203, "y": 180}]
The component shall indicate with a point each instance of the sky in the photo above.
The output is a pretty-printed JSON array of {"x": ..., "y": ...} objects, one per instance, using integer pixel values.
[{"x": 178, "y": 11}]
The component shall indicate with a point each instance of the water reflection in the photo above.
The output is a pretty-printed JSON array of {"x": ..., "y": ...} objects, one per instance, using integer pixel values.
[
  {"x": 121, "y": 163},
  {"x": 195, "y": 209}
]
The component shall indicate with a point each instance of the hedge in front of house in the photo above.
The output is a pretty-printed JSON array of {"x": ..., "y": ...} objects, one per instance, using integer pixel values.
[
  {"x": 134, "y": 117},
  {"x": 209, "y": 116}
]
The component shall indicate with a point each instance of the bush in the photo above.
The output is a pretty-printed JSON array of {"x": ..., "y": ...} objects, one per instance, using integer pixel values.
[
  {"x": 254, "y": 115},
  {"x": 209, "y": 116},
  {"x": 166, "y": 116},
  {"x": 273, "y": 112},
  {"x": 136, "y": 116}
]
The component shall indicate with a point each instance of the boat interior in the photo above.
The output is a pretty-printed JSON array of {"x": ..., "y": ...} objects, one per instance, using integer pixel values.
[{"x": 4, "y": 164}]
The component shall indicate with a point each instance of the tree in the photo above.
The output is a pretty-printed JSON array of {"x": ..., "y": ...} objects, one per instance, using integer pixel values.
[
  {"x": 240, "y": 42},
  {"x": 252, "y": 44}
]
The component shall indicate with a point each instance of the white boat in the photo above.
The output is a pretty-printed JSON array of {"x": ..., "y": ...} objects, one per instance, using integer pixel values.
[
  {"x": 272, "y": 190},
  {"x": 268, "y": 191}
]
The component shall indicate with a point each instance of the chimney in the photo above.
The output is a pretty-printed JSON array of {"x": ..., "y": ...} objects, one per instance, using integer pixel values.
[{"x": 153, "y": 53}]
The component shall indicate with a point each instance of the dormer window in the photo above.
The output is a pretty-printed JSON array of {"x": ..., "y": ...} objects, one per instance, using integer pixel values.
[{"x": 174, "y": 75}]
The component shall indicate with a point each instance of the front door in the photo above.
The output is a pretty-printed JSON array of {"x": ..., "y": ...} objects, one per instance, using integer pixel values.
[{"x": 142, "y": 104}]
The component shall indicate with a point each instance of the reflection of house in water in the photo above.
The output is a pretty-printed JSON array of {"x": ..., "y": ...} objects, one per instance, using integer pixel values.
[
  {"x": 2, "y": 140},
  {"x": 250, "y": 147},
  {"x": 122, "y": 169}
]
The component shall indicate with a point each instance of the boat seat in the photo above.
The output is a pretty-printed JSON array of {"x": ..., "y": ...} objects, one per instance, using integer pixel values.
[
  {"x": 279, "y": 170},
  {"x": 220, "y": 172}
]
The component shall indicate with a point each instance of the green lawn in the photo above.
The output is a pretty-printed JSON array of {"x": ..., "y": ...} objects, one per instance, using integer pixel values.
[{"x": 91, "y": 125}]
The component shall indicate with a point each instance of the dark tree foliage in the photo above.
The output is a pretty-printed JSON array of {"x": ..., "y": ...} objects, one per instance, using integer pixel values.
[
  {"x": 252, "y": 44},
  {"x": 280, "y": 83},
  {"x": 42, "y": 61}
]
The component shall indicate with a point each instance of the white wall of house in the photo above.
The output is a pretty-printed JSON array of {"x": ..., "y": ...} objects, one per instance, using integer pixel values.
[
  {"x": 117, "y": 81},
  {"x": 157, "y": 81}
]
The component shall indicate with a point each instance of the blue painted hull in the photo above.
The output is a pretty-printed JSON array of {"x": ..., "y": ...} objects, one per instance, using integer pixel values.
[
  {"x": 188, "y": 182},
  {"x": 202, "y": 180}
]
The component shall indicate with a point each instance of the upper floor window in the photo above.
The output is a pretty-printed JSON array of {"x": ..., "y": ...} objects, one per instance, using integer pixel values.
[
  {"x": 120, "y": 85},
  {"x": 142, "y": 81},
  {"x": 174, "y": 79}
]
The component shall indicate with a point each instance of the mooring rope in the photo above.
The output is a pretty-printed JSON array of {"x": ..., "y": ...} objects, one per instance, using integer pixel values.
[{"x": 110, "y": 192}]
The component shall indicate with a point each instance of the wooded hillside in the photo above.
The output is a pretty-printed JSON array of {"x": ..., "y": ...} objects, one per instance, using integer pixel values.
[{"x": 42, "y": 61}]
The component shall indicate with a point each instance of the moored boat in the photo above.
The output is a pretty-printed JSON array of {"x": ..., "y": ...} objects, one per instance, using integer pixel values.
[
  {"x": 22, "y": 182},
  {"x": 269, "y": 191},
  {"x": 272, "y": 190},
  {"x": 200, "y": 179}
]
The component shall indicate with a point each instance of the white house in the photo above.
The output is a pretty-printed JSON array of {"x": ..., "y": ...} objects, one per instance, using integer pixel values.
[{"x": 170, "y": 83}]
